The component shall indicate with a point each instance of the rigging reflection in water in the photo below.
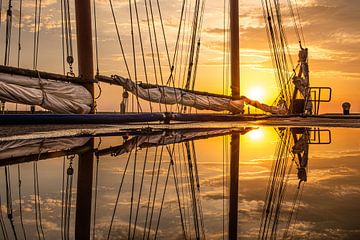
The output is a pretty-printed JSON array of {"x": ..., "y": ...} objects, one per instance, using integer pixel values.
[{"x": 172, "y": 157}]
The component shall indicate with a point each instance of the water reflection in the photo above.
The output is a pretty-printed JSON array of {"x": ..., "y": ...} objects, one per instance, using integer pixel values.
[{"x": 181, "y": 184}]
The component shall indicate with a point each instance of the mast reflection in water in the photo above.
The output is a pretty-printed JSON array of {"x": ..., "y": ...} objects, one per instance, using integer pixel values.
[{"x": 183, "y": 184}]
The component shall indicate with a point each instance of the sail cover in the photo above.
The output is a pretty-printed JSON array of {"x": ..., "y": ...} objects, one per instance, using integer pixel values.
[
  {"x": 56, "y": 96},
  {"x": 201, "y": 101}
]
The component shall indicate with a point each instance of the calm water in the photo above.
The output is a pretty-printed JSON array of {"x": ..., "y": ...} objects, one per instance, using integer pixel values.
[{"x": 292, "y": 184}]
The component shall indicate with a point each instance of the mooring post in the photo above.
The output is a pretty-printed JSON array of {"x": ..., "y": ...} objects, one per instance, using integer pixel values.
[
  {"x": 235, "y": 137},
  {"x": 86, "y": 159}
]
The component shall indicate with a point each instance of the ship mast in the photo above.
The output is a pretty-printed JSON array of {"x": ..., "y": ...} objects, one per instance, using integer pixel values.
[
  {"x": 235, "y": 137},
  {"x": 85, "y": 166}
]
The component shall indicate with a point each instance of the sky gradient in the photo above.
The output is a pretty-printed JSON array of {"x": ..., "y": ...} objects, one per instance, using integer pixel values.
[{"x": 330, "y": 27}]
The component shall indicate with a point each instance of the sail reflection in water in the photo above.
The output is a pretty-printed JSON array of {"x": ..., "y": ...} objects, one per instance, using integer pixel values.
[{"x": 175, "y": 184}]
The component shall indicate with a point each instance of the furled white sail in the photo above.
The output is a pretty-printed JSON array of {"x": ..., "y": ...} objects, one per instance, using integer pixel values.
[
  {"x": 56, "y": 96},
  {"x": 203, "y": 101}
]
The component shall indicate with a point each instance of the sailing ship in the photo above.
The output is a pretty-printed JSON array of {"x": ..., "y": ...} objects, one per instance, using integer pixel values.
[{"x": 67, "y": 94}]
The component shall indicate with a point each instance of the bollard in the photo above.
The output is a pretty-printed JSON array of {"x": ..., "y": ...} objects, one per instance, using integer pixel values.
[{"x": 346, "y": 108}]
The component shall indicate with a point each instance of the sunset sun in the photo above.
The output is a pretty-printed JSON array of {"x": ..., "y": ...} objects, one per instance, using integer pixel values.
[{"x": 256, "y": 93}]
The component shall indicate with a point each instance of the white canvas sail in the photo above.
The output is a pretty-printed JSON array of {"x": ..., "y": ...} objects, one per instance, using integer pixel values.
[
  {"x": 56, "y": 96},
  {"x": 170, "y": 95}
]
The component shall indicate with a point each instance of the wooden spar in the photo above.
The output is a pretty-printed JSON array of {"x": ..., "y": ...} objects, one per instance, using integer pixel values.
[
  {"x": 86, "y": 159},
  {"x": 45, "y": 75},
  {"x": 234, "y": 48},
  {"x": 110, "y": 80},
  {"x": 235, "y": 137}
]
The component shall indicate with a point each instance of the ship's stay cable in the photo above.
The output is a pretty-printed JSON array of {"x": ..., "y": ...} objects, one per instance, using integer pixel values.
[
  {"x": 198, "y": 198},
  {"x": 96, "y": 189},
  {"x": 157, "y": 47},
  {"x": 163, "y": 196},
  {"x": 118, "y": 195},
  {"x": 9, "y": 206},
  {"x": 68, "y": 197},
  {"x": 176, "y": 181},
  {"x": 171, "y": 64},
  {"x": 119, "y": 38},
  {"x": 140, "y": 191},
  {"x": 150, "y": 192},
  {"x": 20, "y": 201},
  {"x": 96, "y": 38},
  {"x": 296, "y": 203},
  {"x": 188, "y": 183},
  {"x": 183, "y": 204},
  {"x": 37, "y": 199},
  {"x": 19, "y": 33},
  {"x": 132, "y": 189},
  {"x": 142, "y": 49},
  {"x": 2, "y": 223},
  {"x": 63, "y": 198},
  {"x": 155, "y": 191},
  {"x": 67, "y": 37},
  {"x": 193, "y": 192},
  {"x": 297, "y": 211},
  {"x": 8, "y": 33},
  {"x": 151, "y": 45},
  {"x": 134, "y": 60},
  {"x": 37, "y": 22},
  {"x": 96, "y": 48}
]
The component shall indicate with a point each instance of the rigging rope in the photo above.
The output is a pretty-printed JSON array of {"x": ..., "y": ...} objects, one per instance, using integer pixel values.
[
  {"x": 20, "y": 203},
  {"x": 37, "y": 17},
  {"x": 140, "y": 191},
  {"x": 150, "y": 192},
  {"x": 118, "y": 195},
  {"x": 68, "y": 197},
  {"x": 8, "y": 33},
  {"x": 96, "y": 188},
  {"x": 67, "y": 35},
  {"x": 19, "y": 33},
  {"x": 37, "y": 202},
  {"x": 142, "y": 49},
  {"x": 2, "y": 223}
]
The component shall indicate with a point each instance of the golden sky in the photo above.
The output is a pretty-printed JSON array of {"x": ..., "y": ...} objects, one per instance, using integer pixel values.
[{"x": 331, "y": 31}]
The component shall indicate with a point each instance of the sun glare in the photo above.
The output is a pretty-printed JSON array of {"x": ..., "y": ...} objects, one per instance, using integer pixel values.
[
  {"x": 256, "y": 93},
  {"x": 256, "y": 134}
]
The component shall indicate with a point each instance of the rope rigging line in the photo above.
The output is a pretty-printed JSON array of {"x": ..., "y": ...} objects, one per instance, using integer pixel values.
[
  {"x": 119, "y": 38},
  {"x": 37, "y": 17},
  {"x": 155, "y": 191},
  {"x": 20, "y": 202},
  {"x": 142, "y": 49},
  {"x": 176, "y": 181},
  {"x": 132, "y": 189},
  {"x": 9, "y": 206},
  {"x": 2, "y": 223},
  {"x": 157, "y": 47},
  {"x": 19, "y": 33},
  {"x": 151, "y": 45},
  {"x": 118, "y": 195},
  {"x": 68, "y": 198},
  {"x": 67, "y": 34},
  {"x": 140, "y": 191},
  {"x": 193, "y": 192},
  {"x": 134, "y": 60},
  {"x": 163, "y": 196},
  {"x": 150, "y": 192},
  {"x": 37, "y": 202},
  {"x": 96, "y": 189},
  {"x": 8, "y": 33},
  {"x": 171, "y": 64},
  {"x": 96, "y": 38}
]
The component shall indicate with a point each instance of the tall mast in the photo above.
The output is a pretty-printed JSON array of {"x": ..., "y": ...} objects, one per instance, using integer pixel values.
[
  {"x": 235, "y": 137},
  {"x": 234, "y": 48},
  {"x": 85, "y": 166}
]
